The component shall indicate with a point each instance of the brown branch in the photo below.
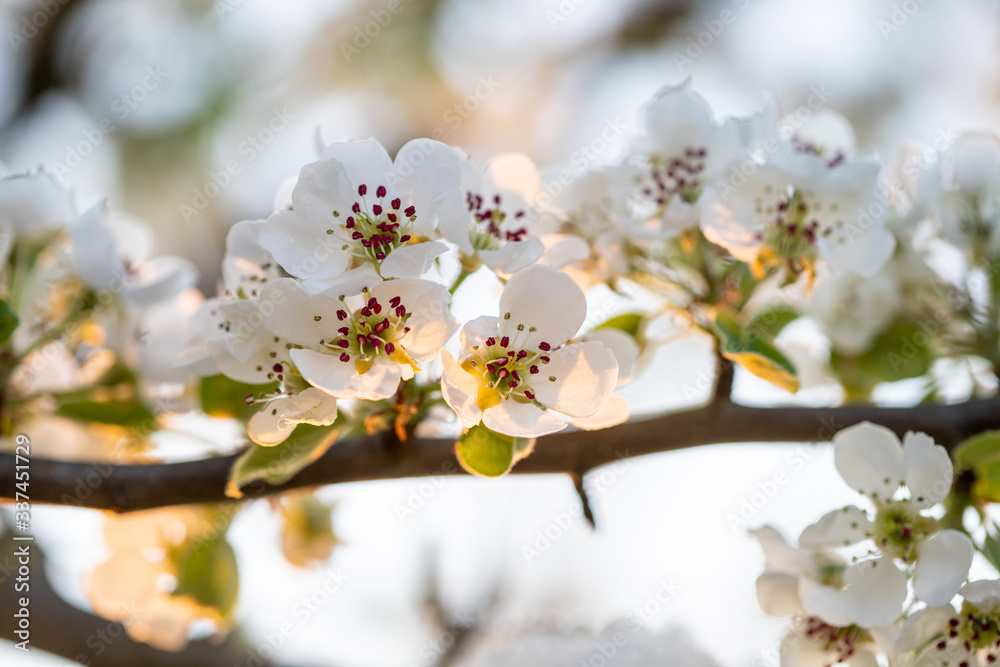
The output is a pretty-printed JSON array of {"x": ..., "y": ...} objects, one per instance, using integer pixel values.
[
  {"x": 125, "y": 488},
  {"x": 581, "y": 491}
]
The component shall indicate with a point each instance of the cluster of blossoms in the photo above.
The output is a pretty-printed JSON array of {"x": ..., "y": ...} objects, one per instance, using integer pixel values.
[{"x": 354, "y": 307}]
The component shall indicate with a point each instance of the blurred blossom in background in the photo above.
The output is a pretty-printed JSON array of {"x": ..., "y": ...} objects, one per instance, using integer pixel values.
[{"x": 193, "y": 115}]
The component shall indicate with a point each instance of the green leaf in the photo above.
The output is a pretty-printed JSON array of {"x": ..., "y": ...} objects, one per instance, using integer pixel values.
[
  {"x": 120, "y": 413},
  {"x": 901, "y": 352},
  {"x": 754, "y": 353},
  {"x": 991, "y": 548},
  {"x": 766, "y": 362},
  {"x": 629, "y": 323},
  {"x": 223, "y": 397},
  {"x": 276, "y": 465},
  {"x": 768, "y": 323},
  {"x": 207, "y": 571},
  {"x": 979, "y": 450},
  {"x": 8, "y": 321},
  {"x": 485, "y": 452}
]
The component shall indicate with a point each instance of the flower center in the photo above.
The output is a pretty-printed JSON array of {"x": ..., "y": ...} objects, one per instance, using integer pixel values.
[
  {"x": 972, "y": 630},
  {"x": 899, "y": 528},
  {"x": 374, "y": 229},
  {"x": 680, "y": 176},
  {"x": 371, "y": 331},
  {"x": 803, "y": 146},
  {"x": 841, "y": 643},
  {"x": 507, "y": 370},
  {"x": 484, "y": 231}
]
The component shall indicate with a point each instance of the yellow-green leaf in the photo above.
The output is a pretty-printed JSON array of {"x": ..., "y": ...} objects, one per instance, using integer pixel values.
[
  {"x": 485, "y": 452},
  {"x": 276, "y": 465}
]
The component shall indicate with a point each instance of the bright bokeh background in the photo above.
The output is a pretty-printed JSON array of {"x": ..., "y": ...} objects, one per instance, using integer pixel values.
[{"x": 190, "y": 86}]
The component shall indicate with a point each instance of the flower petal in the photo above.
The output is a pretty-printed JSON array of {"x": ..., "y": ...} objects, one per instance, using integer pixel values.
[
  {"x": 616, "y": 411},
  {"x": 876, "y": 590},
  {"x": 521, "y": 420},
  {"x": 928, "y": 471},
  {"x": 412, "y": 260},
  {"x": 828, "y": 603},
  {"x": 778, "y": 594},
  {"x": 546, "y": 299},
  {"x": 459, "y": 390},
  {"x": 838, "y": 528},
  {"x": 586, "y": 374},
  {"x": 869, "y": 458},
  {"x": 288, "y": 310},
  {"x": 302, "y": 248},
  {"x": 943, "y": 563},
  {"x": 365, "y": 163},
  {"x": 341, "y": 379}
]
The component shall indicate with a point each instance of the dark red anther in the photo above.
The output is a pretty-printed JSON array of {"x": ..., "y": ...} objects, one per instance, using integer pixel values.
[
  {"x": 400, "y": 311},
  {"x": 366, "y": 311},
  {"x": 529, "y": 394},
  {"x": 410, "y": 211},
  {"x": 350, "y": 222},
  {"x": 362, "y": 189},
  {"x": 379, "y": 255},
  {"x": 544, "y": 346},
  {"x": 362, "y": 340},
  {"x": 505, "y": 341},
  {"x": 404, "y": 238},
  {"x": 533, "y": 370},
  {"x": 382, "y": 326},
  {"x": 375, "y": 340},
  {"x": 356, "y": 208},
  {"x": 389, "y": 348},
  {"x": 491, "y": 341},
  {"x": 357, "y": 235},
  {"x": 521, "y": 354},
  {"x": 396, "y": 203},
  {"x": 345, "y": 357},
  {"x": 376, "y": 209},
  {"x": 491, "y": 368},
  {"x": 380, "y": 191},
  {"x": 276, "y": 368},
  {"x": 343, "y": 342},
  {"x": 516, "y": 376},
  {"x": 343, "y": 331},
  {"x": 545, "y": 359},
  {"x": 511, "y": 384},
  {"x": 392, "y": 217},
  {"x": 394, "y": 301},
  {"x": 500, "y": 361}
]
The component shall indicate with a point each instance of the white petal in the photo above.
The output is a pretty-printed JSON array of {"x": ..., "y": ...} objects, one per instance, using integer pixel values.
[
  {"x": 350, "y": 282},
  {"x": 869, "y": 458},
  {"x": 616, "y": 411},
  {"x": 984, "y": 593},
  {"x": 622, "y": 345},
  {"x": 513, "y": 256},
  {"x": 778, "y": 594},
  {"x": 923, "y": 626},
  {"x": 428, "y": 174},
  {"x": 322, "y": 188},
  {"x": 563, "y": 249},
  {"x": 95, "y": 251},
  {"x": 160, "y": 279},
  {"x": 829, "y": 604},
  {"x": 798, "y": 650},
  {"x": 838, "y": 528},
  {"x": 943, "y": 563},
  {"x": 928, "y": 471},
  {"x": 459, "y": 390},
  {"x": 34, "y": 205},
  {"x": 522, "y": 420},
  {"x": 412, "y": 260},
  {"x": 365, "y": 162},
  {"x": 863, "y": 255},
  {"x": 267, "y": 428},
  {"x": 431, "y": 322},
  {"x": 541, "y": 297},
  {"x": 778, "y": 554},
  {"x": 303, "y": 248},
  {"x": 586, "y": 374},
  {"x": 287, "y": 309},
  {"x": 341, "y": 379},
  {"x": 475, "y": 332},
  {"x": 876, "y": 590}
]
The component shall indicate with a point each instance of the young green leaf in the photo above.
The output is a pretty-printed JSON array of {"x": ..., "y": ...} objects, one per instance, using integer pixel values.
[
  {"x": 484, "y": 452},
  {"x": 207, "y": 571},
  {"x": 979, "y": 450},
  {"x": 120, "y": 413},
  {"x": 276, "y": 465},
  {"x": 8, "y": 321}
]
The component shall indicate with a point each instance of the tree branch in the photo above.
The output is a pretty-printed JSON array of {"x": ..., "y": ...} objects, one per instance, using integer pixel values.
[{"x": 126, "y": 488}]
